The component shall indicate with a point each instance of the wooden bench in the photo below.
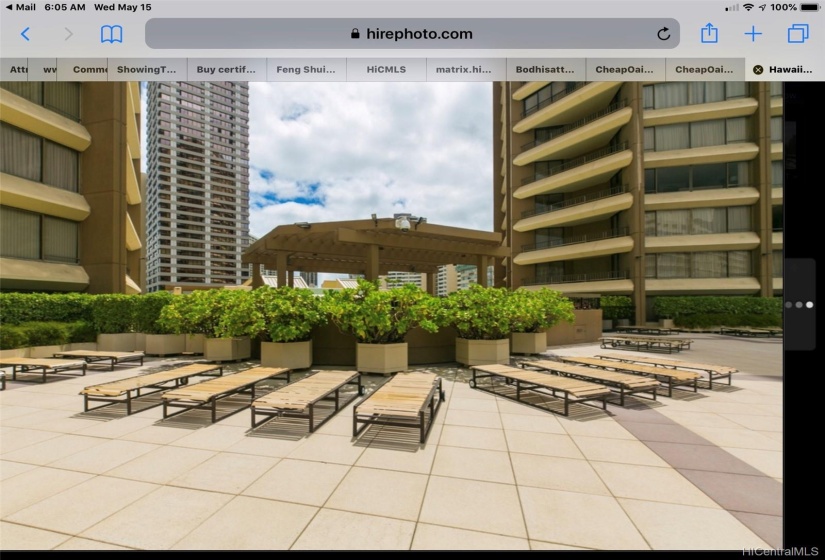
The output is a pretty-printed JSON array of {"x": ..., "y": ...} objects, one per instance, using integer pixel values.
[
  {"x": 44, "y": 365},
  {"x": 642, "y": 329},
  {"x": 410, "y": 399},
  {"x": 572, "y": 390},
  {"x": 751, "y": 331},
  {"x": 626, "y": 383},
  {"x": 645, "y": 343},
  {"x": 715, "y": 372},
  {"x": 210, "y": 392},
  {"x": 673, "y": 377},
  {"x": 92, "y": 356},
  {"x": 125, "y": 390},
  {"x": 298, "y": 399}
]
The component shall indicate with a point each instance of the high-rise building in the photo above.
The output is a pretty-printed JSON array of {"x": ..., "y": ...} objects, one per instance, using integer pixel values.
[
  {"x": 398, "y": 279},
  {"x": 454, "y": 277},
  {"x": 640, "y": 189},
  {"x": 71, "y": 213},
  {"x": 197, "y": 211}
]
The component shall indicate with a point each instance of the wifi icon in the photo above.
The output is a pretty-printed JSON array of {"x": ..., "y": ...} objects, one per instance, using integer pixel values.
[{"x": 748, "y": 7}]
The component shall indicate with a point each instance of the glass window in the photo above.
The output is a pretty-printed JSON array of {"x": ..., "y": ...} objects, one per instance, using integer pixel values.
[
  {"x": 737, "y": 174},
  {"x": 709, "y": 264},
  {"x": 672, "y": 179},
  {"x": 21, "y": 152},
  {"x": 707, "y": 220},
  {"x": 714, "y": 91},
  {"x": 33, "y": 91},
  {"x": 708, "y": 133},
  {"x": 778, "y": 264},
  {"x": 549, "y": 237},
  {"x": 672, "y": 265},
  {"x": 647, "y": 92},
  {"x": 673, "y": 94},
  {"x": 776, "y": 129},
  {"x": 710, "y": 176},
  {"x": 650, "y": 139},
  {"x": 673, "y": 222},
  {"x": 776, "y": 89},
  {"x": 735, "y": 89},
  {"x": 650, "y": 266},
  {"x": 650, "y": 223},
  {"x": 60, "y": 166},
  {"x": 778, "y": 217},
  {"x": 672, "y": 137},
  {"x": 59, "y": 240},
  {"x": 739, "y": 218},
  {"x": 63, "y": 97},
  {"x": 20, "y": 233},
  {"x": 739, "y": 263},
  {"x": 650, "y": 180},
  {"x": 777, "y": 173},
  {"x": 737, "y": 130}
]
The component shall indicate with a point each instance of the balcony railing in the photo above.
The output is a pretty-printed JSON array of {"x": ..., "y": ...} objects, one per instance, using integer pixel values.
[
  {"x": 578, "y": 124},
  {"x": 586, "y": 238},
  {"x": 555, "y": 97},
  {"x": 571, "y": 278},
  {"x": 613, "y": 191},
  {"x": 576, "y": 162}
]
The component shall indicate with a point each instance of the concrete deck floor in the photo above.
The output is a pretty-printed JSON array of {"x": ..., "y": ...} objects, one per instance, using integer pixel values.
[{"x": 696, "y": 471}]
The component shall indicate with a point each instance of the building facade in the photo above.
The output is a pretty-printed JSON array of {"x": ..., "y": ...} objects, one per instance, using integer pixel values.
[
  {"x": 72, "y": 206},
  {"x": 640, "y": 189},
  {"x": 197, "y": 184}
]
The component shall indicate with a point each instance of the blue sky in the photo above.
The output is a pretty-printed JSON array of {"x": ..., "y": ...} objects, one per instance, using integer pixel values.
[{"x": 340, "y": 151}]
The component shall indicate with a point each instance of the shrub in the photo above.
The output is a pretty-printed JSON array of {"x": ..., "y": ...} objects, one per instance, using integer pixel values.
[
  {"x": 12, "y": 336},
  {"x": 285, "y": 314},
  {"x": 374, "y": 316},
  {"x": 709, "y": 320},
  {"x": 477, "y": 313},
  {"x": 114, "y": 313},
  {"x": 147, "y": 309},
  {"x": 16, "y": 308},
  {"x": 46, "y": 333},
  {"x": 676, "y": 307},
  {"x": 215, "y": 313},
  {"x": 616, "y": 307},
  {"x": 82, "y": 331},
  {"x": 537, "y": 311}
]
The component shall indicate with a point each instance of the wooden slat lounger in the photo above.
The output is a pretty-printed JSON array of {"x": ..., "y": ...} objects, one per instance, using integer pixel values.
[
  {"x": 210, "y": 392},
  {"x": 2, "y": 380},
  {"x": 651, "y": 343},
  {"x": 673, "y": 377},
  {"x": 626, "y": 383},
  {"x": 751, "y": 331},
  {"x": 44, "y": 365},
  {"x": 124, "y": 390},
  {"x": 573, "y": 390},
  {"x": 715, "y": 372},
  {"x": 92, "y": 356},
  {"x": 298, "y": 399},
  {"x": 642, "y": 329},
  {"x": 402, "y": 401}
]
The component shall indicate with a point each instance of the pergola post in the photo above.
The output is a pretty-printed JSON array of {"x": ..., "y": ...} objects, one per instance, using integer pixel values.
[
  {"x": 257, "y": 279},
  {"x": 431, "y": 278},
  {"x": 371, "y": 271},
  {"x": 482, "y": 271},
  {"x": 290, "y": 278},
  {"x": 280, "y": 266}
]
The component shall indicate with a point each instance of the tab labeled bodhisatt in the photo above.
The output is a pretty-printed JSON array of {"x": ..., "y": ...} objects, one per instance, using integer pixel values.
[
  {"x": 217, "y": 69},
  {"x": 626, "y": 69},
  {"x": 306, "y": 70},
  {"x": 82, "y": 69},
  {"x": 386, "y": 70},
  {"x": 153, "y": 69},
  {"x": 705, "y": 69},
  {"x": 466, "y": 69},
  {"x": 545, "y": 69}
]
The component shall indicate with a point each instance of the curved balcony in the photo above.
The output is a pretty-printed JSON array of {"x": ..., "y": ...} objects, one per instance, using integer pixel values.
[
  {"x": 777, "y": 239},
  {"x": 579, "y": 210},
  {"x": 581, "y": 136},
  {"x": 724, "y": 153},
  {"x": 701, "y": 112},
  {"x": 586, "y": 246},
  {"x": 777, "y": 149},
  {"x": 705, "y": 198},
  {"x": 43, "y": 199},
  {"x": 22, "y": 274},
  {"x": 38, "y": 120},
  {"x": 744, "y": 285},
  {"x": 614, "y": 282},
  {"x": 527, "y": 89},
  {"x": 569, "y": 105},
  {"x": 579, "y": 173},
  {"x": 737, "y": 241},
  {"x": 777, "y": 195},
  {"x": 777, "y": 106}
]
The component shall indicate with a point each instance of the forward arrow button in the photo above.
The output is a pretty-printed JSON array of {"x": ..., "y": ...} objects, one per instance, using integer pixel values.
[{"x": 69, "y": 35}]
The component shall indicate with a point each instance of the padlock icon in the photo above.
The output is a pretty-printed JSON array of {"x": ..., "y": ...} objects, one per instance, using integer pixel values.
[{"x": 355, "y": 33}]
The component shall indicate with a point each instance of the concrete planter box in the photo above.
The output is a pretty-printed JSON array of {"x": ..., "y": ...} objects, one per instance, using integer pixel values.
[
  {"x": 194, "y": 343},
  {"x": 528, "y": 343},
  {"x": 123, "y": 342},
  {"x": 607, "y": 324},
  {"x": 47, "y": 351},
  {"x": 140, "y": 342},
  {"x": 16, "y": 353},
  {"x": 92, "y": 346},
  {"x": 381, "y": 358},
  {"x": 624, "y": 323},
  {"x": 227, "y": 349},
  {"x": 666, "y": 323},
  {"x": 165, "y": 344},
  {"x": 482, "y": 352},
  {"x": 292, "y": 355}
]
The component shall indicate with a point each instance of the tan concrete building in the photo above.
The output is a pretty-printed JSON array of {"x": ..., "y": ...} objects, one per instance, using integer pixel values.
[
  {"x": 640, "y": 189},
  {"x": 70, "y": 187}
]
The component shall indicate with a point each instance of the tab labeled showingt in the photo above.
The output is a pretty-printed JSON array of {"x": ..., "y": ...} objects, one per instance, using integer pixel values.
[{"x": 149, "y": 69}]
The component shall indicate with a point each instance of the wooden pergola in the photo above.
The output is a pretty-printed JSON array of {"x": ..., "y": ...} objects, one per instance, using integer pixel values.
[{"x": 371, "y": 247}]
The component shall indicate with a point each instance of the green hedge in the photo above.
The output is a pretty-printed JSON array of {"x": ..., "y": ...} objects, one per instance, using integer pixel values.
[
  {"x": 22, "y": 308},
  {"x": 709, "y": 320},
  {"x": 675, "y": 307},
  {"x": 616, "y": 307},
  {"x": 45, "y": 333}
]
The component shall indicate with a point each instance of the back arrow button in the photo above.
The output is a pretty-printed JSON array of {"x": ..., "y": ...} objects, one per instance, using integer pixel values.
[
  {"x": 23, "y": 33},
  {"x": 69, "y": 33}
]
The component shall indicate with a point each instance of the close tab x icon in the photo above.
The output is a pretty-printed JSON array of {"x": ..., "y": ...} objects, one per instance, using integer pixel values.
[{"x": 799, "y": 33}]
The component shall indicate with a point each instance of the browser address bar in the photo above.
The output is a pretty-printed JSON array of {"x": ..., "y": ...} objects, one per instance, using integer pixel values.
[{"x": 429, "y": 33}]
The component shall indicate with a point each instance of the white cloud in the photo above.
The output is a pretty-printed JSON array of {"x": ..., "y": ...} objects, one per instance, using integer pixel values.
[{"x": 340, "y": 151}]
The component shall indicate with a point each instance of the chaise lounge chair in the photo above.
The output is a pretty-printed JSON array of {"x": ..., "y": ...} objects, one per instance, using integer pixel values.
[
  {"x": 92, "y": 356},
  {"x": 125, "y": 390},
  {"x": 44, "y": 365},
  {"x": 646, "y": 343},
  {"x": 715, "y": 372},
  {"x": 671, "y": 377},
  {"x": 409, "y": 399},
  {"x": 298, "y": 399},
  {"x": 533, "y": 382},
  {"x": 210, "y": 392},
  {"x": 626, "y": 383}
]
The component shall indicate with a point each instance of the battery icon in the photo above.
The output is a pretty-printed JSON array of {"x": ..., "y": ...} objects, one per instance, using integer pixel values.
[{"x": 809, "y": 7}]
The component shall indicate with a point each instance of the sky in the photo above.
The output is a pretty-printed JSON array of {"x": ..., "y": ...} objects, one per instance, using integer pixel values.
[{"x": 341, "y": 151}]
